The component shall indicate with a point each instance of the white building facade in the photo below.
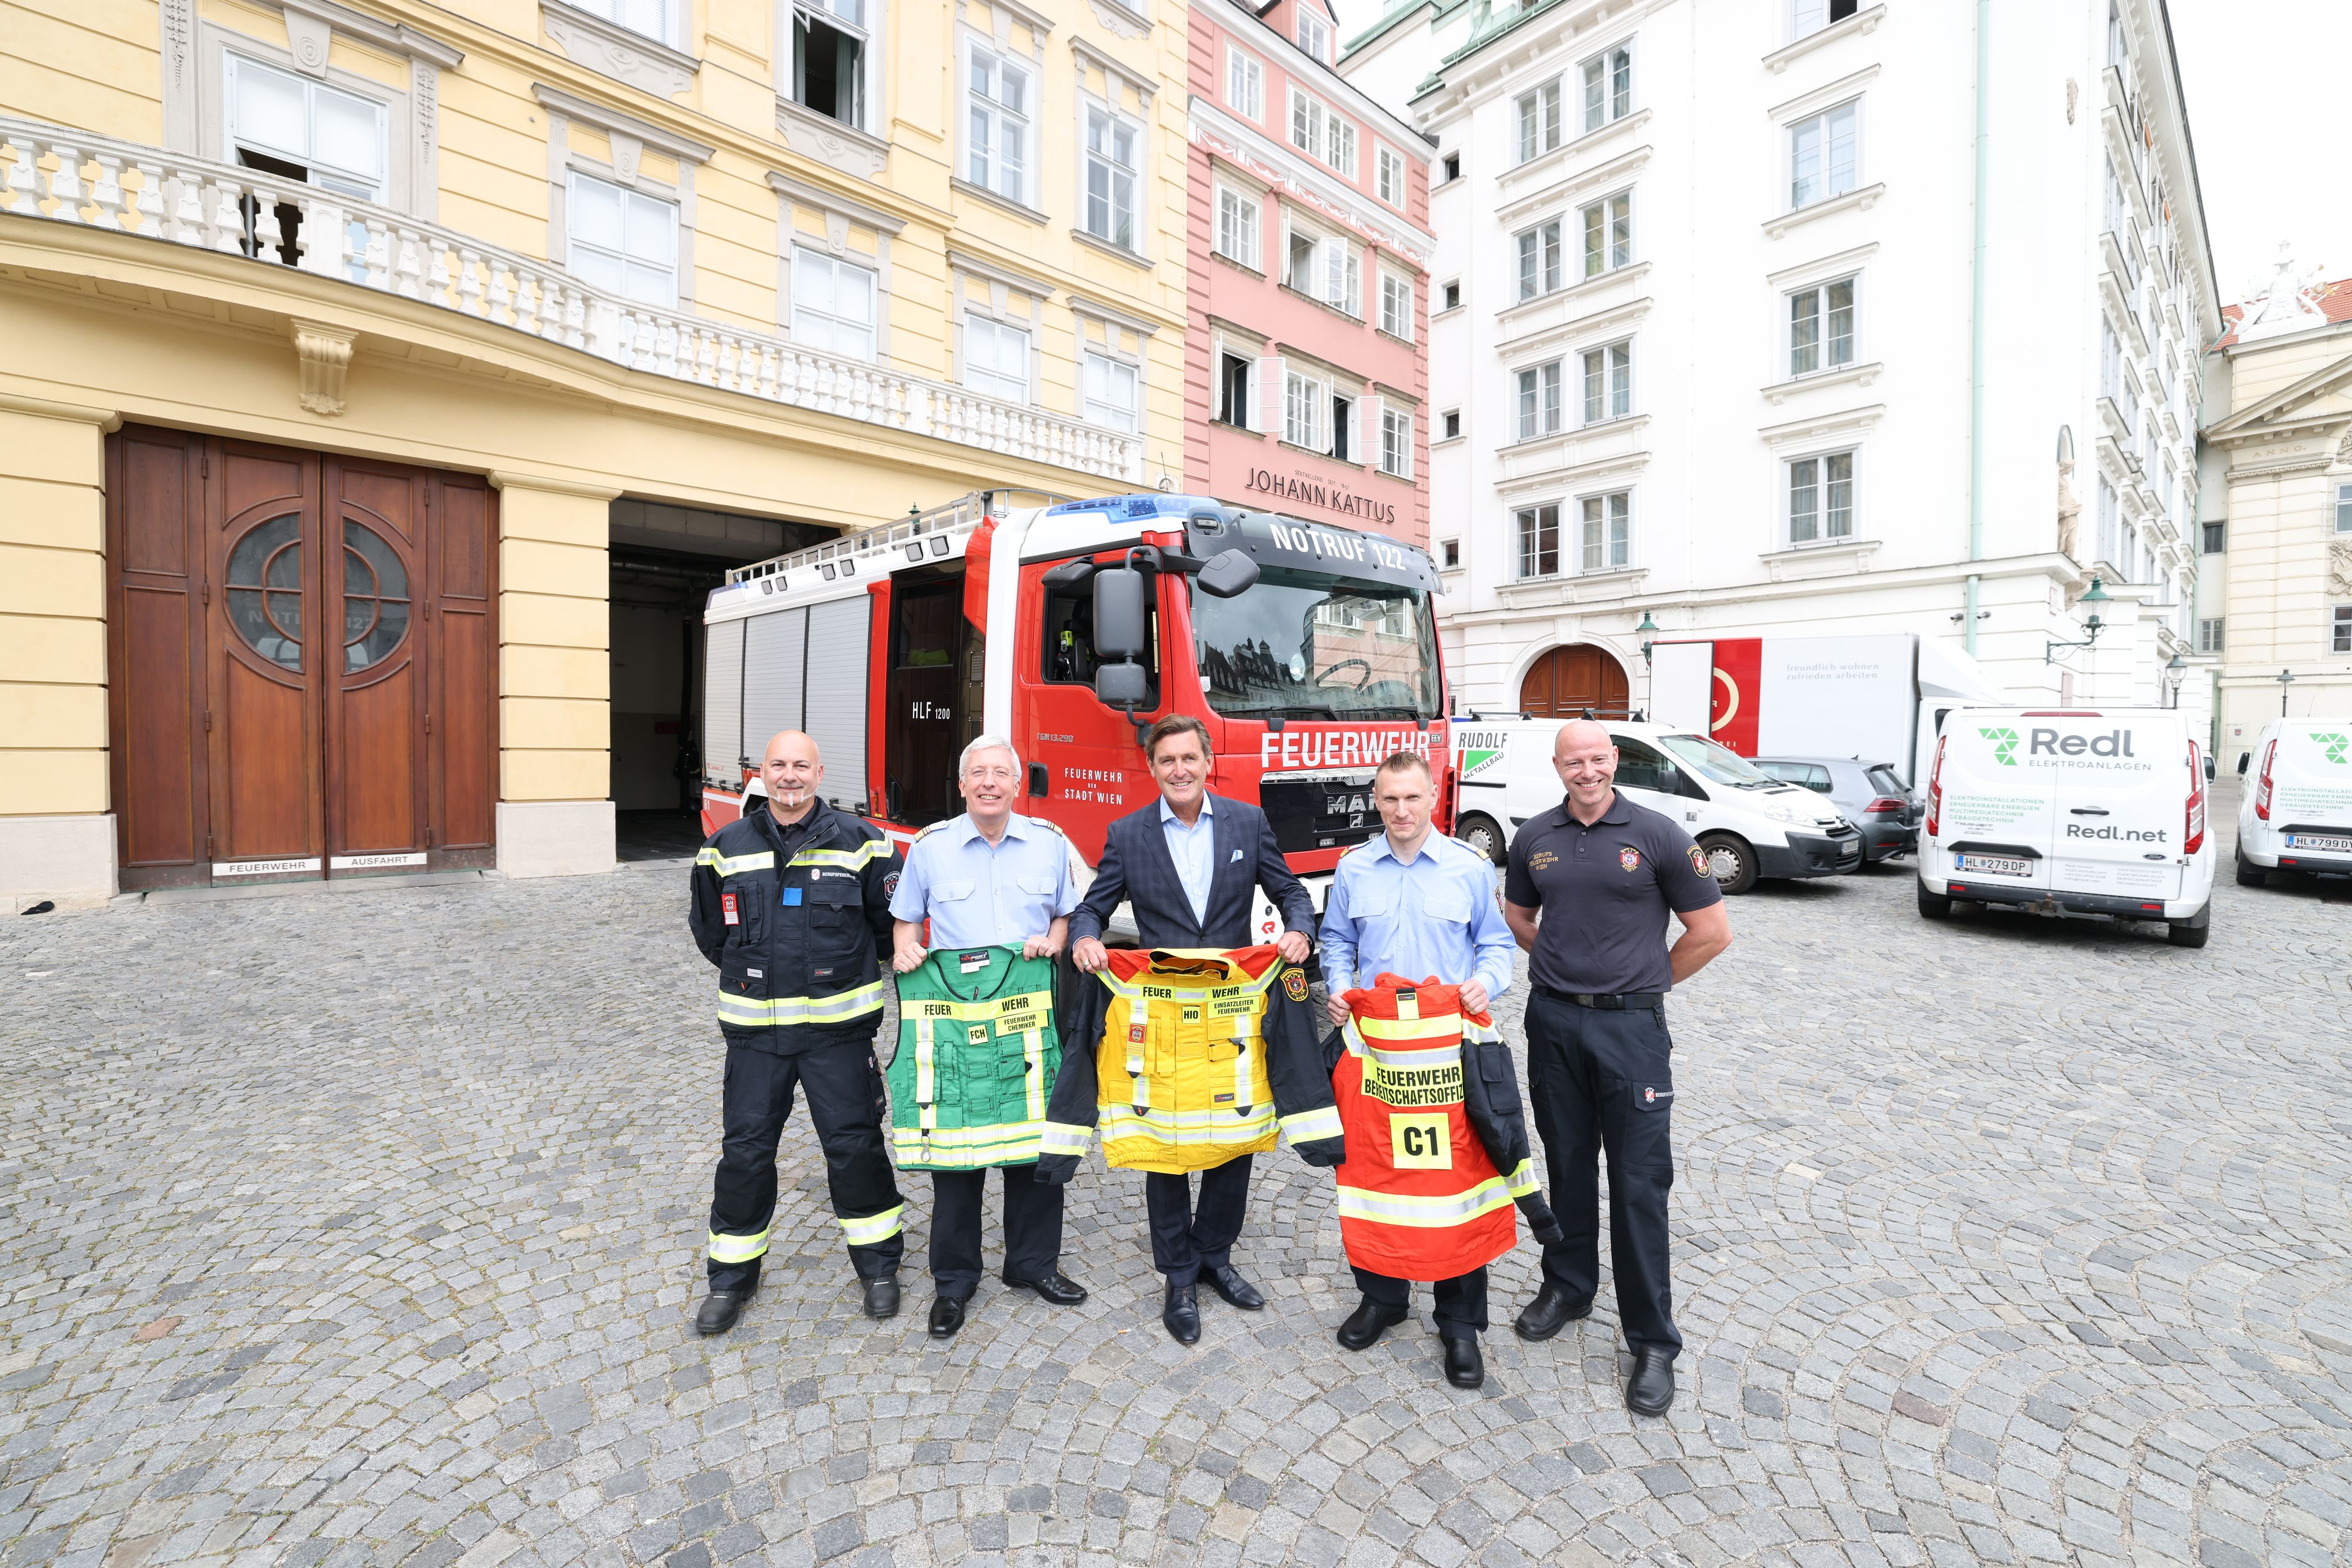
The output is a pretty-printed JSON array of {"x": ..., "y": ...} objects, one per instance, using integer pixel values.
[{"x": 1717, "y": 340}]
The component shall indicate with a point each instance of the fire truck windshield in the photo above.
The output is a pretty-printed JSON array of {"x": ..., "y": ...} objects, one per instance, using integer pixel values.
[{"x": 1306, "y": 644}]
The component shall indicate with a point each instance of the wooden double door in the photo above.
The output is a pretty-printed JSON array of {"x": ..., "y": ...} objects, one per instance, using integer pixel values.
[
  {"x": 1567, "y": 682},
  {"x": 303, "y": 653}
]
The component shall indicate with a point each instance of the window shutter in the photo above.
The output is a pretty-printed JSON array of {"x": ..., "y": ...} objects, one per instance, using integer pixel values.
[
  {"x": 1371, "y": 412},
  {"x": 1266, "y": 401}
]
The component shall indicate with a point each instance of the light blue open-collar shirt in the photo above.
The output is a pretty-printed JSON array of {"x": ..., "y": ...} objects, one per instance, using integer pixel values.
[
  {"x": 1194, "y": 851},
  {"x": 978, "y": 894},
  {"x": 1434, "y": 915}
]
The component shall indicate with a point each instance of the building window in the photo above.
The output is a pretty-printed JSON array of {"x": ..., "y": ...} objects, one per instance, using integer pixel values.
[
  {"x": 2216, "y": 534},
  {"x": 1245, "y": 84},
  {"x": 1388, "y": 165},
  {"x": 1111, "y": 162},
  {"x": 1539, "y": 260},
  {"x": 622, "y": 240},
  {"x": 1608, "y": 531},
  {"x": 1452, "y": 425},
  {"x": 1322, "y": 135},
  {"x": 1453, "y": 167},
  {"x": 2340, "y": 630},
  {"x": 2344, "y": 508},
  {"x": 1000, "y": 124},
  {"x": 1314, "y": 35},
  {"x": 833, "y": 305},
  {"x": 829, "y": 41},
  {"x": 1608, "y": 235},
  {"x": 1113, "y": 392},
  {"x": 1821, "y": 498},
  {"x": 1821, "y": 328},
  {"x": 1608, "y": 88},
  {"x": 1539, "y": 410},
  {"x": 1343, "y": 428},
  {"x": 1237, "y": 227},
  {"x": 1807, "y": 18},
  {"x": 1540, "y": 540},
  {"x": 1453, "y": 295},
  {"x": 1306, "y": 411},
  {"x": 1449, "y": 553},
  {"x": 646, "y": 18},
  {"x": 1396, "y": 443},
  {"x": 1234, "y": 376},
  {"x": 2118, "y": 51},
  {"x": 1608, "y": 382},
  {"x": 996, "y": 359},
  {"x": 2209, "y": 635},
  {"x": 1538, "y": 120},
  {"x": 1821, "y": 155},
  {"x": 1396, "y": 307},
  {"x": 1331, "y": 270},
  {"x": 302, "y": 130}
]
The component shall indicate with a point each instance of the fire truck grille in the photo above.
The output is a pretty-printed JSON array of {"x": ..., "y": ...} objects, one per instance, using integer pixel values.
[{"x": 1321, "y": 811}]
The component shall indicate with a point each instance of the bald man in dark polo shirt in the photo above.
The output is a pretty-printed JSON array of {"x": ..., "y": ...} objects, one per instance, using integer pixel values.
[{"x": 1604, "y": 872}]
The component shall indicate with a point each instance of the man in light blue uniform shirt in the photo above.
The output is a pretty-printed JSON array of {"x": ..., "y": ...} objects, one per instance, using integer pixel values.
[
  {"x": 990, "y": 878},
  {"x": 1417, "y": 903}
]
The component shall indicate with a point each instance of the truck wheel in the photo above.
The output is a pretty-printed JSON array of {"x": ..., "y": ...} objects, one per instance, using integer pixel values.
[
  {"x": 2192, "y": 932},
  {"x": 1481, "y": 834},
  {"x": 2249, "y": 873},
  {"x": 1934, "y": 905},
  {"x": 1731, "y": 860}
]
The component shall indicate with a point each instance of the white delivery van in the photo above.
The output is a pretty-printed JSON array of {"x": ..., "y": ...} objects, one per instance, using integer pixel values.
[
  {"x": 2296, "y": 811},
  {"x": 1750, "y": 824},
  {"x": 2072, "y": 812}
]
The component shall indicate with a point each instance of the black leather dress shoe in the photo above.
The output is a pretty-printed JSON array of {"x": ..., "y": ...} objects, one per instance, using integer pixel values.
[
  {"x": 1367, "y": 1323},
  {"x": 1237, "y": 1291},
  {"x": 1056, "y": 1287},
  {"x": 719, "y": 1310},
  {"x": 882, "y": 1297},
  {"x": 1181, "y": 1314},
  {"x": 1465, "y": 1367},
  {"x": 1651, "y": 1389},
  {"x": 947, "y": 1315},
  {"x": 1549, "y": 1312}
]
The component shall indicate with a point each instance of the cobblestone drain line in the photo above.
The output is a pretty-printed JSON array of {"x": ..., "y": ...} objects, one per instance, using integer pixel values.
[{"x": 365, "y": 1230}]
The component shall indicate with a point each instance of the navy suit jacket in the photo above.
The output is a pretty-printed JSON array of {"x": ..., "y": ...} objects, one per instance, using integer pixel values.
[{"x": 1136, "y": 866}]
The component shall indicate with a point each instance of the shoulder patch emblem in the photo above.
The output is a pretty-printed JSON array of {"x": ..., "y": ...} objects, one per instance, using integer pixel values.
[
  {"x": 1294, "y": 982},
  {"x": 891, "y": 885},
  {"x": 1630, "y": 858},
  {"x": 1698, "y": 860}
]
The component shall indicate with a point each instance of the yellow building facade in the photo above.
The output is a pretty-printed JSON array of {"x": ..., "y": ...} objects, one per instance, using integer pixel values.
[{"x": 519, "y": 307}]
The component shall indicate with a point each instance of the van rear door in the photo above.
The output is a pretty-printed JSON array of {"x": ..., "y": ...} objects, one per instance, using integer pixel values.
[
  {"x": 1995, "y": 827},
  {"x": 2121, "y": 782},
  {"x": 2310, "y": 786}
]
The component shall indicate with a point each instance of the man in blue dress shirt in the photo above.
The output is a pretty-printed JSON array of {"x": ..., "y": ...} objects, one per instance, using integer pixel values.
[
  {"x": 1417, "y": 903},
  {"x": 989, "y": 878}
]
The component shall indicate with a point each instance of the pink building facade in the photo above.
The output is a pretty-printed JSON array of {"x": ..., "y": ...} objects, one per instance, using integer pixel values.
[{"x": 1306, "y": 369}]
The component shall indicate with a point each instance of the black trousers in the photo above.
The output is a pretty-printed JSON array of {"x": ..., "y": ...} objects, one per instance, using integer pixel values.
[
  {"x": 1032, "y": 1227},
  {"x": 1461, "y": 1302},
  {"x": 1604, "y": 1083},
  {"x": 848, "y": 1102},
  {"x": 1186, "y": 1236}
]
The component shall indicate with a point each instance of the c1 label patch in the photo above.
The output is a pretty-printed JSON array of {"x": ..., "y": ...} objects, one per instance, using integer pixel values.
[{"x": 1420, "y": 1143}]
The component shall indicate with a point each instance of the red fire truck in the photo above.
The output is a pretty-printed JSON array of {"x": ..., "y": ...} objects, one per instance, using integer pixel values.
[{"x": 1068, "y": 627}]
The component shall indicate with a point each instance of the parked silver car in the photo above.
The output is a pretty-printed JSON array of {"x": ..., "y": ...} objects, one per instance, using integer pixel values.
[{"x": 1872, "y": 798}]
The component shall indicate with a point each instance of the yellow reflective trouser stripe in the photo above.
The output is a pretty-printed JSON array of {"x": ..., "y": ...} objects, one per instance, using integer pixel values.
[
  {"x": 1411, "y": 1029},
  {"x": 748, "y": 1012},
  {"x": 849, "y": 860},
  {"x": 873, "y": 1228},
  {"x": 737, "y": 1248},
  {"x": 1522, "y": 1181},
  {"x": 1064, "y": 1138},
  {"x": 1431, "y": 1213},
  {"x": 734, "y": 865},
  {"x": 1417, "y": 1059},
  {"x": 1309, "y": 1125}
]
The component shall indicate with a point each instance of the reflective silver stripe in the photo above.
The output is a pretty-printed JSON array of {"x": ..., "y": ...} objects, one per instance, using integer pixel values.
[
  {"x": 750, "y": 1013},
  {"x": 1522, "y": 1181},
  {"x": 1062, "y": 1139},
  {"x": 1011, "y": 1143},
  {"x": 1429, "y": 1213},
  {"x": 737, "y": 1248},
  {"x": 1191, "y": 1126},
  {"x": 927, "y": 1076},
  {"x": 1309, "y": 1125},
  {"x": 1354, "y": 1038},
  {"x": 873, "y": 1228},
  {"x": 1418, "y": 1058},
  {"x": 851, "y": 859},
  {"x": 1032, "y": 1051},
  {"x": 734, "y": 865}
]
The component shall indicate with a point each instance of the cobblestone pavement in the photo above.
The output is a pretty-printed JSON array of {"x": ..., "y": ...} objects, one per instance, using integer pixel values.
[{"x": 365, "y": 1229}]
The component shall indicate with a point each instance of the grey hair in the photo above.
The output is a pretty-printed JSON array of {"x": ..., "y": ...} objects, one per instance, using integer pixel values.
[{"x": 986, "y": 743}]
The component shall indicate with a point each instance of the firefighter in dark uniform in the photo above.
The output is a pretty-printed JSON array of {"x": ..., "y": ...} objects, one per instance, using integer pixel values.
[
  {"x": 792, "y": 903},
  {"x": 1604, "y": 872}
]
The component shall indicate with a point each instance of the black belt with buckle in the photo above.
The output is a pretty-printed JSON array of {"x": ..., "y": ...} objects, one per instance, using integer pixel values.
[{"x": 1617, "y": 1003}]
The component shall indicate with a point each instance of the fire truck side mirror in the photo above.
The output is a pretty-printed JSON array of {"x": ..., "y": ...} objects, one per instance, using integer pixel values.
[
  {"x": 1228, "y": 574},
  {"x": 1126, "y": 686},
  {"x": 1121, "y": 627}
]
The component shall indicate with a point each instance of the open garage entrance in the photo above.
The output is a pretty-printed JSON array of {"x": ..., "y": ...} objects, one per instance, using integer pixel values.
[{"x": 664, "y": 562}]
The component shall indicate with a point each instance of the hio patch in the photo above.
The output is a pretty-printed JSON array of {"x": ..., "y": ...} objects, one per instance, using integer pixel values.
[
  {"x": 1294, "y": 982},
  {"x": 1630, "y": 858},
  {"x": 1698, "y": 860}
]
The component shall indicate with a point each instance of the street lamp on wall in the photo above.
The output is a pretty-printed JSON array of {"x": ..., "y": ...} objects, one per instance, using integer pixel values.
[
  {"x": 2096, "y": 596},
  {"x": 2286, "y": 679},
  {"x": 2175, "y": 671},
  {"x": 1647, "y": 631}
]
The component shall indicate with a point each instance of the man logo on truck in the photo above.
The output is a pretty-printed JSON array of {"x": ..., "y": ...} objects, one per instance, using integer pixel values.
[
  {"x": 2004, "y": 744},
  {"x": 2337, "y": 745}
]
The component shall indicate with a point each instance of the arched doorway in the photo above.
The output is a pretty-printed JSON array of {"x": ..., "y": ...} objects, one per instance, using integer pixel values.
[{"x": 1563, "y": 681}]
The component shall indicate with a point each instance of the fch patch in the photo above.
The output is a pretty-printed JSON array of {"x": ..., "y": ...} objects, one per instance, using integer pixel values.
[
  {"x": 1630, "y": 858},
  {"x": 1294, "y": 982}
]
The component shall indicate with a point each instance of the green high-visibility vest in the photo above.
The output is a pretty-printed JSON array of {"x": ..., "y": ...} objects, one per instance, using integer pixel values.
[{"x": 977, "y": 1055}]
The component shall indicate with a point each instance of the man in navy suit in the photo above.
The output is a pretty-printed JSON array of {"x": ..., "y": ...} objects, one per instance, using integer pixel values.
[{"x": 1190, "y": 864}]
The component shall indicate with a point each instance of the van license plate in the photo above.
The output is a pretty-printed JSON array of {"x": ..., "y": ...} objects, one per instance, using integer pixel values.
[
  {"x": 2326, "y": 843},
  {"x": 1993, "y": 865}
]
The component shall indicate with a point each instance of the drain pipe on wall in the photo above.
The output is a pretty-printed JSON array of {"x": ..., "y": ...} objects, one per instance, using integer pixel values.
[{"x": 1977, "y": 325}]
